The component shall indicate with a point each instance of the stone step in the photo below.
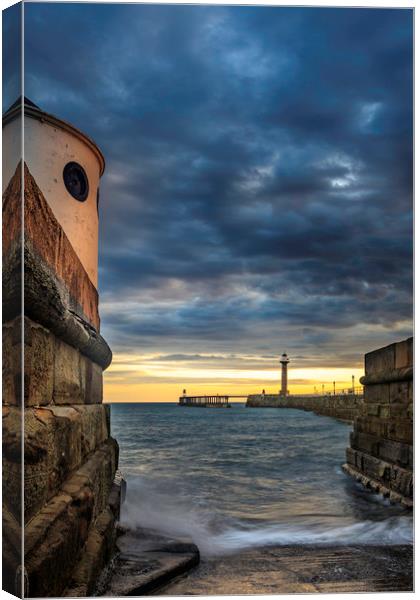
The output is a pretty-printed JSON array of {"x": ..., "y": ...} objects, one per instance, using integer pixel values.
[{"x": 147, "y": 561}]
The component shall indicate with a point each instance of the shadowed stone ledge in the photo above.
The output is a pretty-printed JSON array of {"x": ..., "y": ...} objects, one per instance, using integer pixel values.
[
  {"x": 48, "y": 303},
  {"x": 56, "y": 536},
  {"x": 146, "y": 562}
]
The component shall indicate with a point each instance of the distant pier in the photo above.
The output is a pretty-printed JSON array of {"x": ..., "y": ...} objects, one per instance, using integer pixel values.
[{"x": 207, "y": 401}]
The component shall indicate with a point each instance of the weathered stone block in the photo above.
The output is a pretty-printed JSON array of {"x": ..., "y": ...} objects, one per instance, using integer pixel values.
[
  {"x": 12, "y": 459},
  {"x": 39, "y": 364},
  {"x": 365, "y": 442},
  {"x": 351, "y": 456},
  {"x": 55, "y": 537},
  {"x": 53, "y": 541},
  {"x": 57, "y": 439},
  {"x": 372, "y": 425},
  {"x": 384, "y": 411},
  {"x": 377, "y": 394},
  {"x": 410, "y": 411},
  {"x": 12, "y": 362},
  {"x": 68, "y": 387},
  {"x": 55, "y": 372},
  {"x": 410, "y": 463},
  {"x": 96, "y": 553},
  {"x": 97, "y": 472},
  {"x": 93, "y": 378},
  {"x": 379, "y": 360},
  {"x": 376, "y": 468},
  {"x": 399, "y": 391},
  {"x": 355, "y": 458},
  {"x": 410, "y": 391},
  {"x": 400, "y": 411},
  {"x": 400, "y": 430},
  {"x": 371, "y": 410},
  {"x": 95, "y": 426},
  {"x": 394, "y": 452},
  {"x": 404, "y": 353},
  {"x": 401, "y": 481}
]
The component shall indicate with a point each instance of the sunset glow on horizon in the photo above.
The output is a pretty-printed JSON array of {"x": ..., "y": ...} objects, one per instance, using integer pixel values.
[{"x": 152, "y": 379}]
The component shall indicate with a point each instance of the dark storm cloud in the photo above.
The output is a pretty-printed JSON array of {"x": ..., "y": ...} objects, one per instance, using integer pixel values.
[
  {"x": 259, "y": 168},
  {"x": 12, "y": 56}
]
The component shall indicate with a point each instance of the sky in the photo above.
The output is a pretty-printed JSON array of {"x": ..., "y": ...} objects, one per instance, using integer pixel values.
[{"x": 257, "y": 197}]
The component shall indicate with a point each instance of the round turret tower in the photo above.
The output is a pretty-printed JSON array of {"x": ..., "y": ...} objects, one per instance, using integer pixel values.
[{"x": 67, "y": 171}]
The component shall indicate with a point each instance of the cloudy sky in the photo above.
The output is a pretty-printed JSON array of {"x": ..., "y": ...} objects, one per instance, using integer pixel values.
[{"x": 258, "y": 190}]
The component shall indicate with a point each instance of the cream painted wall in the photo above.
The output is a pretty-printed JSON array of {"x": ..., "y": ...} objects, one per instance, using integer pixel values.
[
  {"x": 12, "y": 151},
  {"x": 48, "y": 148}
]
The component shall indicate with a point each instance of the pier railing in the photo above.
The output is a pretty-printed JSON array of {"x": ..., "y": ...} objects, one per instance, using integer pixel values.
[
  {"x": 356, "y": 391},
  {"x": 207, "y": 401}
]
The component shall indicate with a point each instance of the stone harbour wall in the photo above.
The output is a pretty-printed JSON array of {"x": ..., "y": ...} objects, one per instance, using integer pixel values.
[
  {"x": 345, "y": 407},
  {"x": 71, "y": 492},
  {"x": 380, "y": 454}
]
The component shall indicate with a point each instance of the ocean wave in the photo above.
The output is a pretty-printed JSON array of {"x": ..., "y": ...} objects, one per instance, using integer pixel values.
[{"x": 172, "y": 512}]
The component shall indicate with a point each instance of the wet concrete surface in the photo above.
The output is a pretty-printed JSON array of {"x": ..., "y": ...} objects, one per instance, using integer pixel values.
[{"x": 300, "y": 569}]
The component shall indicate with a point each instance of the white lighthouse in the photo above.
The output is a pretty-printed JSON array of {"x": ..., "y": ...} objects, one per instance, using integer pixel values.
[
  {"x": 67, "y": 166},
  {"x": 284, "y": 361}
]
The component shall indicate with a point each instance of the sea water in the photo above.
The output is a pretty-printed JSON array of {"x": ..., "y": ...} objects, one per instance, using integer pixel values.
[{"x": 237, "y": 478}]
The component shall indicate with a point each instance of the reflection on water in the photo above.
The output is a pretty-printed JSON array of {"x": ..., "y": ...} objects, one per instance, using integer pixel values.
[{"x": 231, "y": 479}]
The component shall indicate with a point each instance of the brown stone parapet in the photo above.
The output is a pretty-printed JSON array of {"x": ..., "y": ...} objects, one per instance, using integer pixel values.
[
  {"x": 393, "y": 375},
  {"x": 381, "y": 445},
  {"x": 394, "y": 356}
]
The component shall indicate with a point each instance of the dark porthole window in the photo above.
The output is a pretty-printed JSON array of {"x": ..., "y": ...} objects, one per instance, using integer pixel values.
[{"x": 76, "y": 181}]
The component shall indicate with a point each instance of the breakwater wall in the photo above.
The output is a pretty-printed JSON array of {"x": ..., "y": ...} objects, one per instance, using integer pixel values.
[
  {"x": 380, "y": 454},
  {"x": 345, "y": 407}
]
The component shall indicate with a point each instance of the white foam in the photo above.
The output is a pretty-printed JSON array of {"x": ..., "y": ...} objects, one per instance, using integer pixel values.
[{"x": 174, "y": 514}]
